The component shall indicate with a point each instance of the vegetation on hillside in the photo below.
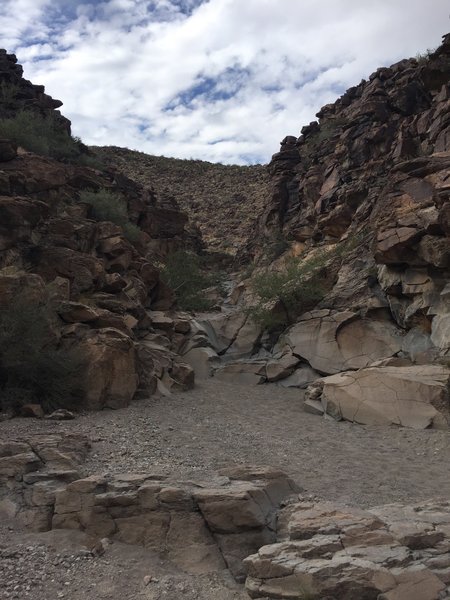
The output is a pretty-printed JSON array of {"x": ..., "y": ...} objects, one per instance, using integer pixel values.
[
  {"x": 423, "y": 57},
  {"x": 185, "y": 274},
  {"x": 281, "y": 296},
  {"x": 33, "y": 369},
  {"x": 43, "y": 135},
  {"x": 107, "y": 206}
]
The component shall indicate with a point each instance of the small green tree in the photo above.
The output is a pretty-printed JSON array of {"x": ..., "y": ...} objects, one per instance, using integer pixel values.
[
  {"x": 182, "y": 272},
  {"x": 33, "y": 369},
  {"x": 282, "y": 295}
]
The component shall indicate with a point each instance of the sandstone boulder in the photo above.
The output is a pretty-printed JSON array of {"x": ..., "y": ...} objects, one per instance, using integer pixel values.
[
  {"x": 21, "y": 285},
  {"x": 301, "y": 377},
  {"x": 332, "y": 342},
  {"x": 84, "y": 272},
  {"x": 246, "y": 372},
  {"x": 412, "y": 396},
  {"x": 76, "y": 312},
  {"x": 440, "y": 326},
  {"x": 111, "y": 375},
  {"x": 34, "y": 411},
  {"x": 203, "y": 360},
  {"x": 18, "y": 217},
  {"x": 231, "y": 333},
  {"x": 281, "y": 367}
]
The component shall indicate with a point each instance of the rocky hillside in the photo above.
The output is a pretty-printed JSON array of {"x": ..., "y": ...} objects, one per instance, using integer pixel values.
[
  {"x": 79, "y": 249},
  {"x": 360, "y": 291},
  {"x": 222, "y": 200},
  {"x": 349, "y": 300}
]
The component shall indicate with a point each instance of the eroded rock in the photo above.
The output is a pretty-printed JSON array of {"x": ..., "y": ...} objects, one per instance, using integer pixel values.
[
  {"x": 333, "y": 342},
  {"x": 328, "y": 551},
  {"x": 412, "y": 396}
]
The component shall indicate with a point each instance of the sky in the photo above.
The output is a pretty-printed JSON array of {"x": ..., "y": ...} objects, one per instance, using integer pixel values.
[{"x": 217, "y": 80}]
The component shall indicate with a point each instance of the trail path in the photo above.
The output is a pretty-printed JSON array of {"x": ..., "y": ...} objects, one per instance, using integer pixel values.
[{"x": 193, "y": 434}]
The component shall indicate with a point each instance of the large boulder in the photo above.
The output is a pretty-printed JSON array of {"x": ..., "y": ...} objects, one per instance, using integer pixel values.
[
  {"x": 232, "y": 333},
  {"x": 111, "y": 375},
  {"x": 18, "y": 218},
  {"x": 412, "y": 396},
  {"x": 333, "y": 342},
  {"x": 247, "y": 372},
  {"x": 20, "y": 285},
  {"x": 203, "y": 360}
]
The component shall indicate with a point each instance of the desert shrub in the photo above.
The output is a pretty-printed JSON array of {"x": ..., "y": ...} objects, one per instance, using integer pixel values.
[
  {"x": 33, "y": 369},
  {"x": 183, "y": 273},
  {"x": 282, "y": 295},
  {"x": 44, "y": 135},
  {"x": 131, "y": 232},
  {"x": 108, "y": 206}
]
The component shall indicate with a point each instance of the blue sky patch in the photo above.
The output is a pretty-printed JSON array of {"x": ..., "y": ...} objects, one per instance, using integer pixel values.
[{"x": 211, "y": 89}]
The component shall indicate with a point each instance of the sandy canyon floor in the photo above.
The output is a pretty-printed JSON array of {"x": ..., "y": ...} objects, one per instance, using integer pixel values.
[{"x": 191, "y": 435}]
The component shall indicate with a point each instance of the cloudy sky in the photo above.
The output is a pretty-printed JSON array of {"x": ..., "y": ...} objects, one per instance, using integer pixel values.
[{"x": 220, "y": 80}]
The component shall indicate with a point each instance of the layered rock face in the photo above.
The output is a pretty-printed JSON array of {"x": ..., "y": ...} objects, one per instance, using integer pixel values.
[
  {"x": 368, "y": 187},
  {"x": 391, "y": 552},
  {"x": 249, "y": 520},
  {"x": 99, "y": 286},
  {"x": 201, "y": 528}
]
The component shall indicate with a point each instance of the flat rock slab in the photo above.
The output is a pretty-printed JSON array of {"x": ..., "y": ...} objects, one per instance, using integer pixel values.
[{"x": 412, "y": 396}]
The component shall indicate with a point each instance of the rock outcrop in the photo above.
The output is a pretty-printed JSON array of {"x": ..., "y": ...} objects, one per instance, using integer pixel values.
[
  {"x": 376, "y": 163},
  {"x": 392, "y": 552},
  {"x": 413, "y": 396},
  {"x": 366, "y": 188},
  {"x": 99, "y": 284},
  {"x": 201, "y": 528},
  {"x": 250, "y": 520},
  {"x": 18, "y": 94}
]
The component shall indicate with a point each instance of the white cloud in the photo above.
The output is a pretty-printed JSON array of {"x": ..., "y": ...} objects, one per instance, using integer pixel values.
[{"x": 126, "y": 69}]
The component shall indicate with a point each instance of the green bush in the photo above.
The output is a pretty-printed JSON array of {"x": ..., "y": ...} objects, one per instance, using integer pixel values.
[
  {"x": 32, "y": 367},
  {"x": 45, "y": 136},
  {"x": 282, "y": 295},
  {"x": 108, "y": 206},
  {"x": 182, "y": 272}
]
